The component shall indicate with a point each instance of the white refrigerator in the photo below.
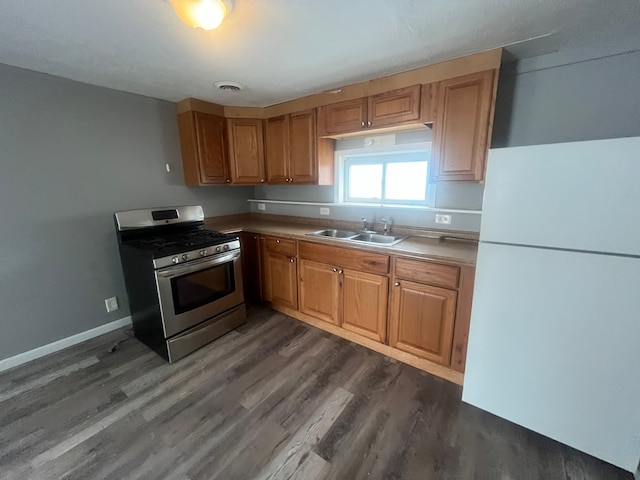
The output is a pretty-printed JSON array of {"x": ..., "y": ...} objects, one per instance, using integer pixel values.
[{"x": 554, "y": 343}]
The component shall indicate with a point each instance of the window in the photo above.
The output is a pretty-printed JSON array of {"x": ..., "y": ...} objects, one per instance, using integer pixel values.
[{"x": 398, "y": 177}]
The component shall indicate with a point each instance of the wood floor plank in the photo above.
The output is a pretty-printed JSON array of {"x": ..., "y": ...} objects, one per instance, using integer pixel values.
[{"x": 274, "y": 399}]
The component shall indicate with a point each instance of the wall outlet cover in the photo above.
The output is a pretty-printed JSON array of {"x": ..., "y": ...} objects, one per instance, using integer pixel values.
[
  {"x": 443, "y": 219},
  {"x": 262, "y": 207},
  {"x": 325, "y": 211},
  {"x": 111, "y": 304}
]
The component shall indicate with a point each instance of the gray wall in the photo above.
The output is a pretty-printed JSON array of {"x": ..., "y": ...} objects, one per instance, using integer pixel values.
[
  {"x": 70, "y": 155},
  {"x": 589, "y": 100}
]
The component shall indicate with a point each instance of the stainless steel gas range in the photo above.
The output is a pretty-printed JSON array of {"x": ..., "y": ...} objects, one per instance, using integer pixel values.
[{"x": 184, "y": 282}]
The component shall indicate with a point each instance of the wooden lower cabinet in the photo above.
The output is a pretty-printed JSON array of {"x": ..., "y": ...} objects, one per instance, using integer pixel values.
[
  {"x": 319, "y": 291},
  {"x": 281, "y": 279},
  {"x": 364, "y": 301},
  {"x": 422, "y": 320}
]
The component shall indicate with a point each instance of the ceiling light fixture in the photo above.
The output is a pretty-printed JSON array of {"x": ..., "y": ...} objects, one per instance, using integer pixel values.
[{"x": 205, "y": 14}]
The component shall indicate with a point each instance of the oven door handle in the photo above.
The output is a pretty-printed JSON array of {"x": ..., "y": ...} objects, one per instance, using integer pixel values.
[{"x": 194, "y": 266}]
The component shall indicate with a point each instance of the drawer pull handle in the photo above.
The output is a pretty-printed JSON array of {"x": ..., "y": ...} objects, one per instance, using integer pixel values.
[
  {"x": 334, "y": 270},
  {"x": 340, "y": 272},
  {"x": 292, "y": 260},
  {"x": 277, "y": 241}
]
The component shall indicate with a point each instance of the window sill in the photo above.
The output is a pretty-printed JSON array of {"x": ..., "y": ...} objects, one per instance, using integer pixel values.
[{"x": 369, "y": 205}]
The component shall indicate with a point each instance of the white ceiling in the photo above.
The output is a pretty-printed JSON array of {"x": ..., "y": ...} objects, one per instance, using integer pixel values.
[{"x": 284, "y": 49}]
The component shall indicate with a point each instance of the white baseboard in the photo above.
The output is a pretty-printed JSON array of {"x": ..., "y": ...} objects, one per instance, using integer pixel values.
[{"x": 25, "y": 357}]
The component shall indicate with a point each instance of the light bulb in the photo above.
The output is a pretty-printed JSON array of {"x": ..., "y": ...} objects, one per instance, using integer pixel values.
[{"x": 205, "y": 14}]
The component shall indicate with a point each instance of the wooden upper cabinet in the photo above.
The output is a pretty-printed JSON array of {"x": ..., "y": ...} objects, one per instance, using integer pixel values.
[
  {"x": 246, "y": 151},
  {"x": 342, "y": 117},
  {"x": 462, "y": 128},
  {"x": 428, "y": 103},
  {"x": 294, "y": 153},
  {"x": 422, "y": 320},
  {"x": 277, "y": 141},
  {"x": 389, "y": 109},
  {"x": 202, "y": 142},
  {"x": 364, "y": 304},
  {"x": 319, "y": 290},
  {"x": 302, "y": 147},
  {"x": 397, "y": 107}
]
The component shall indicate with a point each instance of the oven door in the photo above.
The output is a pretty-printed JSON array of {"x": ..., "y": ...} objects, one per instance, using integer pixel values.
[{"x": 190, "y": 294}]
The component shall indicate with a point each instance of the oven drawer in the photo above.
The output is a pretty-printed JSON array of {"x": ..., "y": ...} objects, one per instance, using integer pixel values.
[
  {"x": 281, "y": 245},
  {"x": 191, "y": 340}
]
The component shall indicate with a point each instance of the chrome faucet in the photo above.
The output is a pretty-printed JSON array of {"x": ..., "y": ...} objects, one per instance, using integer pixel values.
[
  {"x": 385, "y": 225},
  {"x": 365, "y": 224}
]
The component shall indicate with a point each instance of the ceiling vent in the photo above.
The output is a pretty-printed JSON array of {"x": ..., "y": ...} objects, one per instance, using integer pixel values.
[{"x": 229, "y": 86}]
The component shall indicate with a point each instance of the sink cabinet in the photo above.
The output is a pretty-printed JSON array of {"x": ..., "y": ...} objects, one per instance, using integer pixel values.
[{"x": 353, "y": 298}]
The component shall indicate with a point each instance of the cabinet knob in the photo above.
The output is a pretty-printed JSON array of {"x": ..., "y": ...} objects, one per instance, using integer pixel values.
[
  {"x": 334, "y": 269},
  {"x": 277, "y": 241},
  {"x": 397, "y": 284},
  {"x": 262, "y": 180},
  {"x": 291, "y": 180},
  {"x": 369, "y": 123},
  {"x": 291, "y": 260},
  {"x": 340, "y": 272},
  {"x": 255, "y": 238},
  {"x": 228, "y": 180},
  {"x": 362, "y": 124}
]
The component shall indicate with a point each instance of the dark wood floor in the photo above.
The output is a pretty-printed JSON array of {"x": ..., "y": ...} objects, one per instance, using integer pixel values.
[{"x": 275, "y": 399}]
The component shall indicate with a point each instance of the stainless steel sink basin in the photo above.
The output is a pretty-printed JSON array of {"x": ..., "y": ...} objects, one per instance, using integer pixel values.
[
  {"x": 349, "y": 236},
  {"x": 387, "y": 240},
  {"x": 334, "y": 233}
]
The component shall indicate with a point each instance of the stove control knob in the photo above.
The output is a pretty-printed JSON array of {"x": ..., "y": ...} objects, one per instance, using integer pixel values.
[
  {"x": 218, "y": 249},
  {"x": 203, "y": 253},
  {"x": 225, "y": 248},
  {"x": 185, "y": 257},
  {"x": 175, "y": 260}
]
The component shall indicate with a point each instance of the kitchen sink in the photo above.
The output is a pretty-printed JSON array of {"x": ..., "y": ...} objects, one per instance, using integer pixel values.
[
  {"x": 349, "y": 236},
  {"x": 335, "y": 233},
  {"x": 377, "y": 239}
]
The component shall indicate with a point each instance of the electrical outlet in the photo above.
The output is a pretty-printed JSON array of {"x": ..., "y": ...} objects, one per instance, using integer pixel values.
[
  {"x": 444, "y": 219},
  {"x": 111, "y": 304},
  {"x": 325, "y": 211},
  {"x": 262, "y": 207}
]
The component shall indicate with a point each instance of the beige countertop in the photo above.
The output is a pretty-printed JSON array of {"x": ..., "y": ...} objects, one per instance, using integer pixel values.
[{"x": 441, "y": 249}]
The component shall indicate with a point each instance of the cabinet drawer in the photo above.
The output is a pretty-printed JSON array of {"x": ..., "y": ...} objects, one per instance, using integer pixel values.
[
  {"x": 280, "y": 245},
  {"x": 427, "y": 272},
  {"x": 345, "y": 258}
]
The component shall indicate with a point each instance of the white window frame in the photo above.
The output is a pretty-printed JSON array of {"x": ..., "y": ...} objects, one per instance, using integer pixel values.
[{"x": 342, "y": 160}]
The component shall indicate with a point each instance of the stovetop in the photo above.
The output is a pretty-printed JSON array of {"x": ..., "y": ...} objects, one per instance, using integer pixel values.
[{"x": 178, "y": 242}]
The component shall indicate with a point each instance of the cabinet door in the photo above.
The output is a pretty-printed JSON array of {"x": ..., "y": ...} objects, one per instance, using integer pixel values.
[
  {"x": 202, "y": 143},
  {"x": 319, "y": 290},
  {"x": 251, "y": 274},
  {"x": 398, "y": 107},
  {"x": 302, "y": 142},
  {"x": 282, "y": 280},
  {"x": 422, "y": 320},
  {"x": 364, "y": 304},
  {"x": 462, "y": 127},
  {"x": 246, "y": 151},
  {"x": 277, "y": 140},
  {"x": 343, "y": 117}
]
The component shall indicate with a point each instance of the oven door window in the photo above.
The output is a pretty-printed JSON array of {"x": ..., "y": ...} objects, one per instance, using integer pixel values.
[{"x": 199, "y": 288}]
